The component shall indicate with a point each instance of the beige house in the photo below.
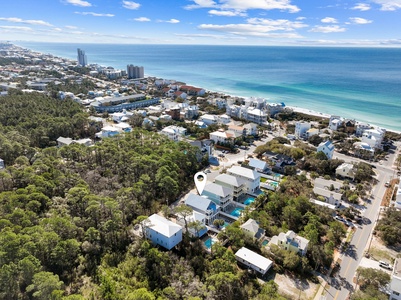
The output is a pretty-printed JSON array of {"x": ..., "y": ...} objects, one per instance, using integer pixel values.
[
  {"x": 346, "y": 170},
  {"x": 290, "y": 241}
]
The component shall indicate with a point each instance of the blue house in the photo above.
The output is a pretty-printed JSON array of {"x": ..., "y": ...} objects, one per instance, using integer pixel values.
[{"x": 162, "y": 231}]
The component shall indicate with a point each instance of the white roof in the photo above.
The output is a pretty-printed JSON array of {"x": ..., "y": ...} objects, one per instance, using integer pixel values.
[
  {"x": 163, "y": 226},
  {"x": 250, "y": 225},
  {"x": 217, "y": 189},
  {"x": 230, "y": 180},
  {"x": 254, "y": 258},
  {"x": 245, "y": 172}
]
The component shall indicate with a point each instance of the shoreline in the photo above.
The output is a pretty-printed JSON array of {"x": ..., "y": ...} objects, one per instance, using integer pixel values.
[{"x": 302, "y": 110}]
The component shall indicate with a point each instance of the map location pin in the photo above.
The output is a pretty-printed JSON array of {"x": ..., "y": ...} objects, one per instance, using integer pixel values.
[{"x": 200, "y": 179}]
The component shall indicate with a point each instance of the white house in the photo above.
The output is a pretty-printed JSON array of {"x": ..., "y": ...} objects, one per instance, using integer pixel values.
[
  {"x": 327, "y": 148},
  {"x": 108, "y": 131},
  {"x": 222, "y": 137},
  {"x": 335, "y": 122},
  {"x": 346, "y": 170},
  {"x": 174, "y": 132},
  {"x": 253, "y": 260},
  {"x": 203, "y": 205},
  {"x": 208, "y": 119},
  {"x": 237, "y": 185},
  {"x": 373, "y": 137},
  {"x": 395, "y": 283},
  {"x": 300, "y": 129},
  {"x": 224, "y": 119},
  {"x": 221, "y": 195},
  {"x": 2, "y": 165},
  {"x": 398, "y": 197},
  {"x": 311, "y": 132},
  {"x": 259, "y": 165},
  {"x": 290, "y": 241},
  {"x": 331, "y": 197},
  {"x": 162, "y": 231},
  {"x": 195, "y": 217},
  {"x": 361, "y": 127},
  {"x": 251, "y": 177},
  {"x": 62, "y": 141}
]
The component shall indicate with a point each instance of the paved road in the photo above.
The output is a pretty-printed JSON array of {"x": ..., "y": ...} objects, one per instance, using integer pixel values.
[{"x": 342, "y": 284}]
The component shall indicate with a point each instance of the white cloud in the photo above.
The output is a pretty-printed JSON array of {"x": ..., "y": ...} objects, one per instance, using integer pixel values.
[
  {"x": 213, "y": 36},
  {"x": 329, "y": 20},
  {"x": 19, "y": 28},
  {"x": 131, "y": 5},
  {"x": 78, "y": 3},
  {"x": 241, "y": 5},
  {"x": 71, "y": 27},
  {"x": 361, "y": 6},
  {"x": 87, "y": 13},
  {"x": 172, "y": 21},
  {"x": 227, "y": 13},
  {"x": 259, "y": 27},
  {"x": 300, "y": 18},
  {"x": 142, "y": 19},
  {"x": 201, "y": 4},
  {"x": 389, "y": 5},
  {"x": 360, "y": 21},
  {"x": 31, "y": 22},
  {"x": 328, "y": 29},
  {"x": 57, "y": 29}
]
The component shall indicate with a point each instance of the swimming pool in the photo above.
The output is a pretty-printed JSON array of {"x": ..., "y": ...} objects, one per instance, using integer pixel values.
[
  {"x": 249, "y": 200},
  {"x": 208, "y": 243},
  {"x": 265, "y": 242},
  {"x": 237, "y": 212}
]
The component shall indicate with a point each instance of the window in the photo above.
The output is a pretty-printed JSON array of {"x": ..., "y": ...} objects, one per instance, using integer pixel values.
[{"x": 396, "y": 293}]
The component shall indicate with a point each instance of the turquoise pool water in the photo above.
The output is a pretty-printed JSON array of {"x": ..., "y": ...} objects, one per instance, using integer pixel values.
[
  {"x": 249, "y": 200},
  {"x": 265, "y": 243},
  {"x": 208, "y": 243},
  {"x": 226, "y": 224},
  {"x": 237, "y": 212}
]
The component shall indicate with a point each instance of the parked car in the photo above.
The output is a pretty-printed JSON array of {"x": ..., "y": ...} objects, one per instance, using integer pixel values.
[
  {"x": 385, "y": 265},
  {"x": 387, "y": 184}
]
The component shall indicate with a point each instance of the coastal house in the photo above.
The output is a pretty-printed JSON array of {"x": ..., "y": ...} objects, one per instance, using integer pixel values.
[
  {"x": 205, "y": 146},
  {"x": 204, "y": 206},
  {"x": 162, "y": 231},
  {"x": 290, "y": 241},
  {"x": 346, "y": 170},
  {"x": 62, "y": 141},
  {"x": 224, "y": 119},
  {"x": 255, "y": 115},
  {"x": 192, "y": 91},
  {"x": 335, "y": 122},
  {"x": 220, "y": 195},
  {"x": 236, "y": 184},
  {"x": 311, "y": 132},
  {"x": 373, "y": 137},
  {"x": 117, "y": 104},
  {"x": 327, "y": 148},
  {"x": 300, "y": 129},
  {"x": 108, "y": 131},
  {"x": 222, "y": 137},
  {"x": 251, "y": 177},
  {"x": 274, "y": 108},
  {"x": 251, "y": 227},
  {"x": 363, "y": 150},
  {"x": 253, "y": 260},
  {"x": 208, "y": 119},
  {"x": 349, "y": 126},
  {"x": 330, "y": 197},
  {"x": 174, "y": 132},
  {"x": 195, "y": 217},
  {"x": 279, "y": 161},
  {"x": 397, "y": 203},
  {"x": 2, "y": 165},
  {"x": 395, "y": 283},
  {"x": 259, "y": 165},
  {"x": 361, "y": 127}
]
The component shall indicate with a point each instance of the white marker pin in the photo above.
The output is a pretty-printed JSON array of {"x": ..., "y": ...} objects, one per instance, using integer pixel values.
[{"x": 200, "y": 179}]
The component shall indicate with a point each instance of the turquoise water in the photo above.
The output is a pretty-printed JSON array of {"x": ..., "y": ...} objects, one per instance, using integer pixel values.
[
  {"x": 265, "y": 243},
  {"x": 249, "y": 200},
  {"x": 208, "y": 243},
  {"x": 226, "y": 224},
  {"x": 237, "y": 212},
  {"x": 357, "y": 83}
]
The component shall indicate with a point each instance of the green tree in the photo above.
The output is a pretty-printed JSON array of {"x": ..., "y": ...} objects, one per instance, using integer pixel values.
[{"x": 45, "y": 286}]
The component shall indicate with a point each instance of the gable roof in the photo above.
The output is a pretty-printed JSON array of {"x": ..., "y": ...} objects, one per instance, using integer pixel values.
[
  {"x": 230, "y": 180},
  {"x": 254, "y": 258},
  {"x": 250, "y": 225},
  {"x": 244, "y": 172},
  {"x": 200, "y": 203},
  {"x": 163, "y": 226},
  {"x": 217, "y": 189},
  {"x": 257, "y": 164}
]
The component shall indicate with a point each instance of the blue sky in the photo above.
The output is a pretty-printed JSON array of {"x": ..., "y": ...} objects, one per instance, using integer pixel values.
[{"x": 230, "y": 22}]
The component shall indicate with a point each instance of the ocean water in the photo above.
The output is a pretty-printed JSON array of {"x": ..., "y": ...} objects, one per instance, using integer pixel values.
[{"x": 357, "y": 83}]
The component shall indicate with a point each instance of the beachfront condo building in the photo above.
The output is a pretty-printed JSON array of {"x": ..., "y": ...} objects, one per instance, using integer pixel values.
[
  {"x": 134, "y": 72},
  {"x": 82, "y": 60}
]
